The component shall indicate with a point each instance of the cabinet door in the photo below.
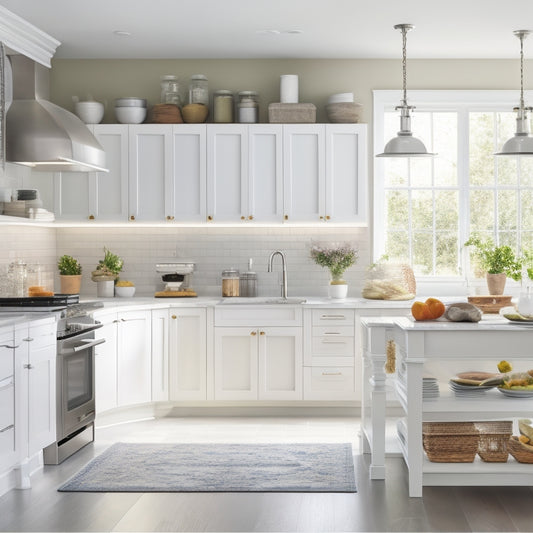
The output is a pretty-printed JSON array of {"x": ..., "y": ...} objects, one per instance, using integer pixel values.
[
  {"x": 151, "y": 192},
  {"x": 304, "y": 172},
  {"x": 160, "y": 347},
  {"x": 280, "y": 363},
  {"x": 227, "y": 173},
  {"x": 134, "y": 368},
  {"x": 8, "y": 449},
  {"x": 236, "y": 354},
  {"x": 265, "y": 173},
  {"x": 41, "y": 376},
  {"x": 71, "y": 196},
  {"x": 105, "y": 364},
  {"x": 109, "y": 190},
  {"x": 189, "y": 147},
  {"x": 188, "y": 356},
  {"x": 346, "y": 175}
]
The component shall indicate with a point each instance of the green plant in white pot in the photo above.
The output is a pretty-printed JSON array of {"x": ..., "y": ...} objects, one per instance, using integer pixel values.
[
  {"x": 69, "y": 274},
  {"x": 106, "y": 273}
]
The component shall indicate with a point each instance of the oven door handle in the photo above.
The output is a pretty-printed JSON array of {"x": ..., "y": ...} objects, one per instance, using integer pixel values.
[{"x": 87, "y": 343}]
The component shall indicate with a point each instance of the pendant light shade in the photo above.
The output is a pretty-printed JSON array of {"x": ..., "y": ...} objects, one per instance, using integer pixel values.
[
  {"x": 521, "y": 143},
  {"x": 404, "y": 144}
]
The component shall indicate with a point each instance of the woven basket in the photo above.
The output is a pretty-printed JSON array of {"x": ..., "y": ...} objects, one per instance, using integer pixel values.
[
  {"x": 519, "y": 452},
  {"x": 450, "y": 442},
  {"x": 493, "y": 439},
  {"x": 165, "y": 114}
]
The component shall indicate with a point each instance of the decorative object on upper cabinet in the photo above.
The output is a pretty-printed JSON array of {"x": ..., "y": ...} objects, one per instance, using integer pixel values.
[
  {"x": 499, "y": 263},
  {"x": 89, "y": 111},
  {"x": 106, "y": 273},
  {"x": 165, "y": 114},
  {"x": 170, "y": 90},
  {"x": 223, "y": 107},
  {"x": 130, "y": 110},
  {"x": 291, "y": 113},
  {"x": 198, "y": 90},
  {"x": 521, "y": 143},
  {"x": 288, "y": 89},
  {"x": 389, "y": 281},
  {"x": 343, "y": 112},
  {"x": 248, "y": 107},
  {"x": 69, "y": 274},
  {"x": 404, "y": 144},
  {"x": 337, "y": 257},
  {"x": 194, "y": 113}
]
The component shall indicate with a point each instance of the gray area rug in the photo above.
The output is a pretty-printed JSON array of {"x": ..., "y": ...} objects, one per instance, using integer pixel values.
[{"x": 140, "y": 467}]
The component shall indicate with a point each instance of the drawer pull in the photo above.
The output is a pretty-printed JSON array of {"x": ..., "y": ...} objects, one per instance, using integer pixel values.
[
  {"x": 333, "y": 317},
  {"x": 29, "y": 367},
  {"x": 9, "y": 346},
  {"x": 28, "y": 339},
  {"x": 332, "y": 333},
  {"x": 332, "y": 373},
  {"x": 327, "y": 341},
  {"x": 7, "y": 428}
]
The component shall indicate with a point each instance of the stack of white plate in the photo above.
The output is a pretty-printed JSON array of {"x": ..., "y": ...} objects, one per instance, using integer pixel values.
[
  {"x": 469, "y": 391},
  {"x": 130, "y": 110},
  {"x": 430, "y": 388}
]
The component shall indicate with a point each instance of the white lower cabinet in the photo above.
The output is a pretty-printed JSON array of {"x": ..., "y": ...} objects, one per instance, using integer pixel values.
[
  {"x": 188, "y": 354},
  {"x": 35, "y": 378},
  {"x": 160, "y": 352},
  {"x": 261, "y": 363},
  {"x": 124, "y": 362},
  {"x": 8, "y": 448}
]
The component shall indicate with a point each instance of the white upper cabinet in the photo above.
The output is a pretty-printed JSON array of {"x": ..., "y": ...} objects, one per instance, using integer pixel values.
[
  {"x": 189, "y": 173},
  {"x": 346, "y": 173},
  {"x": 108, "y": 191},
  {"x": 227, "y": 172},
  {"x": 219, "y": 173},
  {"x": 151, "y": 190},
  {"x": 265, "y": 173},
  {"x": 304, "y": 172}
]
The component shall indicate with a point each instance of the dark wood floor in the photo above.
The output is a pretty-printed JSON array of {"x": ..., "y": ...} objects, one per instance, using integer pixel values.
[{"x": 377, "y": 506}]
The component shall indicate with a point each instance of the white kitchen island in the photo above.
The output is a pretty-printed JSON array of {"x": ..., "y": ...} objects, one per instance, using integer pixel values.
[{"x": 443, "y": 348}]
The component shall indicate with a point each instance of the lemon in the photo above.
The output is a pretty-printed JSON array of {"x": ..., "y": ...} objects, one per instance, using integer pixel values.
[{"x": 504, "y": 366}]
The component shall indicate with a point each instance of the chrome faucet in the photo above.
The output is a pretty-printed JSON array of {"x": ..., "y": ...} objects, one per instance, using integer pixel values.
[{"x": 284, "y": 267}]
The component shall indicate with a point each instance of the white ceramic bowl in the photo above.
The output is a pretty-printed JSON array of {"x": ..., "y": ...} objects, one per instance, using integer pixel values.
[
  {"x": 130, "y": 102},
  {"x": 340, "y": 97},
  {"x": 89, "y": 112},
  {"x": 130, "y": 115},
  {"x": 124, "y": 292}
]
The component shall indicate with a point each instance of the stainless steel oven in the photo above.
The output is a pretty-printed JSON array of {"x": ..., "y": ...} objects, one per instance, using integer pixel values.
[{"x": 75, "y": 403}]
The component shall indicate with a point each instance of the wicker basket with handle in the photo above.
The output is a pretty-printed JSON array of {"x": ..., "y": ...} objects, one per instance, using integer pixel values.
[
  {"x": 450, "y": 442},
  {"x": 493, "y": 439},
  {"x": 520, "y": 452}
]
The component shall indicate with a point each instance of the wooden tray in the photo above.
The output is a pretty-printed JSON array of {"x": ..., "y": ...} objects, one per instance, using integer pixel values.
[
  {"x": 490, "y": 304},
  {"x": 176, "y": 294}
]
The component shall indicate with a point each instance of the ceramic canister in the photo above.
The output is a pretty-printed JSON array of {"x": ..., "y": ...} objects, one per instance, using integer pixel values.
[{"x": 288, "y": 89}]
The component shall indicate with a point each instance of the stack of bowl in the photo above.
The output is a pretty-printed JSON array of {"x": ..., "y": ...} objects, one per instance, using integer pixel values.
[
  {"x": 341, "y": 108},
  {"x": 89, "y": 112},
  {"x": 130, "y": 110}
]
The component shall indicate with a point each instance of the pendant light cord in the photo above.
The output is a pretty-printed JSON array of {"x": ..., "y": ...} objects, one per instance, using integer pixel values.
[
  {"x": 404, "y": 63},
  {"x": 522, "y": 105}
]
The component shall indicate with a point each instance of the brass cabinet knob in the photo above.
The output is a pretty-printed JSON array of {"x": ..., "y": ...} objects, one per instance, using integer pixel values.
[
  {"x": 253, "y": 333},
  {"x": 327, "y": 217},
  {"x": 250, "y": 217},
  {"x": 321, "y": 217},
  {"x": 91, "y": 217},
  {"x": 209, "y": 217},
  {"x": 262, "y": 333},
  {"x": 243, "y": 217},
  {"x": 132, "y": 217},
  {"x": 286, "y": 217},
  {"x": 174, "y": 317},
  {"x": 170, "y": 217}
]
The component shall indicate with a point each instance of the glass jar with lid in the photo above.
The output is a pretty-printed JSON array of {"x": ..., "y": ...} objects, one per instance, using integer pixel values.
[
  {"x": 248, "y": 107},
  {"x": 170, "y": 90},
  {"x": 223, "y": 107},
  {"x": 230, "y": 282},
  {"x": 198, "y": 90}
]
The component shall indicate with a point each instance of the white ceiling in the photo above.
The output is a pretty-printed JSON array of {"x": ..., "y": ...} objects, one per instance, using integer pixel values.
[{"x": 232, "y": 28}]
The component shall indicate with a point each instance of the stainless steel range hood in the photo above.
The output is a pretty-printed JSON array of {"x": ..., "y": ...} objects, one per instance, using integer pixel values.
[{"x": 43, "y": 135}]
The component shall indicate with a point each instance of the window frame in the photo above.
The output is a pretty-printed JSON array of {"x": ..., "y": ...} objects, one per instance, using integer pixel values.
[{"x": 460, "y": 101}]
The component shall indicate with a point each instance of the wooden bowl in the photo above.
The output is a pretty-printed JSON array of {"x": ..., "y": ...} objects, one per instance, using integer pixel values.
[
  {"x": 165, "y": 114},
  {"x": 343, "y": 112},
  {"x": 194, "y": 113}
]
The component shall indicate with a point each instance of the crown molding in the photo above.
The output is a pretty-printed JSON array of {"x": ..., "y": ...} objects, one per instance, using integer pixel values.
[{"x": 22, "y": 37}]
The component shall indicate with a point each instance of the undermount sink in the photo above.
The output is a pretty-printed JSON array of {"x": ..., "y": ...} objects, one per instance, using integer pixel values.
[{"x": 267, "y": 300}]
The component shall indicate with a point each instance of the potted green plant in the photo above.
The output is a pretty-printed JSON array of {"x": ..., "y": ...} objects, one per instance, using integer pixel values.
[
  {"x": 106, "y": 273},
  {"x": 69, "y": 274},
  {"x": 337, "y": 257},
  {"x": 498, "y": 262}
]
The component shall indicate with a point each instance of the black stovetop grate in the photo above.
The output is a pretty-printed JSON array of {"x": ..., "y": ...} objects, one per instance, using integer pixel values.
[{"x": 40, "y": 301}]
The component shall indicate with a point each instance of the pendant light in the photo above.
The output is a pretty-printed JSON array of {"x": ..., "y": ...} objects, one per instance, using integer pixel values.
[
  {"x": 404, "y": 144},
  {"x": 521, "y": 143}
]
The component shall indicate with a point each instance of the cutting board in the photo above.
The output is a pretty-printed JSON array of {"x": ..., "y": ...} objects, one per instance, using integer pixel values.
[
  {"x": 176, "y": 294},
  {"x": 490, "y": 304}
]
